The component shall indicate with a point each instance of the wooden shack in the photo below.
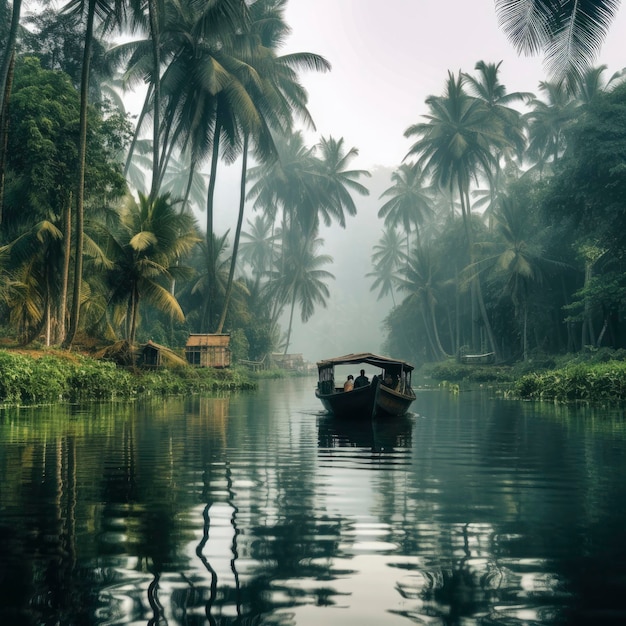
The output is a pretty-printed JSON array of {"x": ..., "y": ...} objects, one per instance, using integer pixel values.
[
  {"x": 154, "y": 356},
  {"x": 208, "y": 350},
  {"x": 291, "y": 362}
]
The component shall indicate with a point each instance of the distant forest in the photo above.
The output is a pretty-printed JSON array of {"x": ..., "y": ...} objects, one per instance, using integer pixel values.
[{"x": 503, "y": 231}]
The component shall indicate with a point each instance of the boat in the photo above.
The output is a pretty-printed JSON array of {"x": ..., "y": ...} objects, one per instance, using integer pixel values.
[{"x": 389, "y": 393}]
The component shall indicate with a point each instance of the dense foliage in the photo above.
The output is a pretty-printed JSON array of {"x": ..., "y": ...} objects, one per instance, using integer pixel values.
[
  {"x": 88, "y": 246},
  {"x": 503, "y": 229},
  {"x": 534, "y": 260}
]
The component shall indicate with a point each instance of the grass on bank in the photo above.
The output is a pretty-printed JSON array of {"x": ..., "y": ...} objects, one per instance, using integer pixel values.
[
  {"x": 595, "y": 375},
  {"x": 54, "y": 377}
]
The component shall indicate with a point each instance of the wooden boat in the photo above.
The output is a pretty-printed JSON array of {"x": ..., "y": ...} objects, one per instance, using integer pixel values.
[{"x": 389, "y": 393}]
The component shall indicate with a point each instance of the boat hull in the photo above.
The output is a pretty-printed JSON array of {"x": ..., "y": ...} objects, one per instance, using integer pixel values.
[
  {"x": 391, "y": 402},
  {"x": 366, "y": 402},
  {"x": 355, "y": 403}
]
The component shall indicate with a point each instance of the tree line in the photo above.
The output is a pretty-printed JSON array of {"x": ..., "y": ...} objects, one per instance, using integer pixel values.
[
  {"x": 502, "y": 225},
  {"x": 81, "y": 253}
]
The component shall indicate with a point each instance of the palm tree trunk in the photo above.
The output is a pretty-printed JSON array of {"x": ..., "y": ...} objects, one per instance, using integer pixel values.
[
  {"x": 293, "y": 307},
  {"x": 8, "y": 57},
  {"x": 476, "y": 281},
  {"x": 65, "y": 278},
  {"x": 80, "y": 195},
  {"x": 133, "y": 143},
  {"x": 211, "y": 269},
  {"x": 4, "y": 128},
  {"x": 233, "y": 259},
  {"x": 156, "y": 79}
]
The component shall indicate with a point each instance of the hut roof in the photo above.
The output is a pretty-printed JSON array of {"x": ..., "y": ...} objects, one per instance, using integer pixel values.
[{"x": 208, "y": 340}]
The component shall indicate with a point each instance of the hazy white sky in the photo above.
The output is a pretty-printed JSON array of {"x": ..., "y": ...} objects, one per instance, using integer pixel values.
[{"x": 388, "y": 57}]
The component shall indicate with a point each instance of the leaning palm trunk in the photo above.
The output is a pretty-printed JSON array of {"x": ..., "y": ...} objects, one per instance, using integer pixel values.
[
  {"x": 156, "y": 79},
  {"x": 133, "y": 143},
  {"x": 293, "y": 307},
  {"x": 211, "y": 270},
  {"x": 233, "y": 259},
  {"x": 80, "y": 196}
]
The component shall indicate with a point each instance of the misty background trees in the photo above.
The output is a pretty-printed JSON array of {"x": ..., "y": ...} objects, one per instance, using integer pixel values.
[{"x": 500, "y": 232}]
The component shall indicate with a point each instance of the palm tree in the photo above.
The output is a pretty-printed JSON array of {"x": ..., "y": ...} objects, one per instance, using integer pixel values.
[
  {"x": 259, "y": 248},
  {"x": 423, "y": 281},
  {"x": 387, "y": 258},
  {"x": 516, "y": 258},
  {"x": 592, "y": 83},
  {"x": 302, "y": 281},
  {"x": 455, "y": 145},
  {"x": 409, "y": 201},
  {"x": 152, "y": 237},
  {"x": 278, "y": 96},
  {"x": 547, "y": 122},
  {"x": 337, "y": 181},
  {"x": 289, "y": 188},
  {"x": 486, "y": 86},
  {"x": 569, "y": 34},
  {"x": 114, "y": 12}
]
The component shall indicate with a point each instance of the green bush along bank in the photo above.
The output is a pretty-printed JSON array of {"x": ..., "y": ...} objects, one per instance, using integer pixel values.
[
  {"x": 599, "y": 376},
  {"x": 50, "y": 378}
]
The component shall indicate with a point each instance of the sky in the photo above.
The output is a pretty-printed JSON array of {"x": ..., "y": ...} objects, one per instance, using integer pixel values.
[{"x": 388, "y": 57}]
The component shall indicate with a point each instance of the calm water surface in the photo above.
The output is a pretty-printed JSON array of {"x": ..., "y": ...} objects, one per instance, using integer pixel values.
[{"x": 258, "y": 508}]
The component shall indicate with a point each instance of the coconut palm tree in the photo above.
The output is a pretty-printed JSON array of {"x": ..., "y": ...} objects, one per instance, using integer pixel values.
[
  {"x": 338, "y": 182},
  {"x": 113, "y": 13},
  {"x": 547, "y": 122},
  {"x": 302, "y": 280},
  {"x": 423, "y": 282},
  {"x": 410, "y": 201},
  {"x": 387, "y": 259},
  {"x": 259, "y": 248},
  {"x": 569, "y": 34},
  {"x": 455, "y": 145},
  {"x": 279, "y": 97},
  {"x": 487, "y": 87},
  {"x": 151, "y": 238}
]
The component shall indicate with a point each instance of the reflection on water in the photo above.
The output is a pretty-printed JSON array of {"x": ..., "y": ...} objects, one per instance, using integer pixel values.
[{"x": 259, "y": 508}]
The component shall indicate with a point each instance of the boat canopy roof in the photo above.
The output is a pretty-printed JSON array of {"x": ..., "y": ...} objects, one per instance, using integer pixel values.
[{"x": 365, "y": 357}]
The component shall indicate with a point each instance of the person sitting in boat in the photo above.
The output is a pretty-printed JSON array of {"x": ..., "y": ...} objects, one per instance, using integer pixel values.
[
  {"x": 349, "y": 384},
  {"x": 387, "y": 380},
  {"x": 361, "y": 380}
]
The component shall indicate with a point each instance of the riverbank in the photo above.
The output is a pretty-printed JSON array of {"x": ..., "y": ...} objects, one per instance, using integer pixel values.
[
  {"x": 43, "y": 377},
  {"x": 596, "y": 376}
]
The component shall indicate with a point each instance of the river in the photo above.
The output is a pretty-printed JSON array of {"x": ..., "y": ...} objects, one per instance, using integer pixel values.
[{"x": 258, "y": 508}]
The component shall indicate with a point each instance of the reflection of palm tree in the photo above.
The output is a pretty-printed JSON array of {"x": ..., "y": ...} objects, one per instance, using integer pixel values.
[
  {"x": 387, "y": 258},
  {"x": 568, "y": 33}
]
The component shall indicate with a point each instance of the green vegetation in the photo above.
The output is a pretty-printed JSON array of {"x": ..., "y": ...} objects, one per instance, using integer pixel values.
[
  {"x": 50, "y": 378},
  {"x": 594, "y": 376},
  {"x": 98, "y": 234},
  {"x": 503, "y": 228}
]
